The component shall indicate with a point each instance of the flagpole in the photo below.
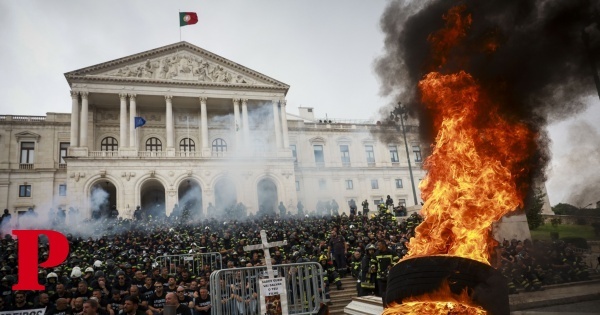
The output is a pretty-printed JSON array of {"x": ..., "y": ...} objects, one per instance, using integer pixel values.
[{"x": 180, "y": 25}]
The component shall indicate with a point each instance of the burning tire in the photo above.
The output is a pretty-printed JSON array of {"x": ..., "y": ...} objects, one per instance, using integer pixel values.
[{"x": 422, "y": 276}]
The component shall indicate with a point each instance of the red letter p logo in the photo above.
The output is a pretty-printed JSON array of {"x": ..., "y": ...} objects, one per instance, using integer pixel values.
[{"x": 28, "y": 256}]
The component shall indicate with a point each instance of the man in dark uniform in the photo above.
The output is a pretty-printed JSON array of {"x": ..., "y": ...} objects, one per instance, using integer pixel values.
[
  {"x": 137, "y": 214},
  {"x": 338, "y": 247},
  {"x": 5, "y": 219},
  {"x": 131, "y": 306},
  {"x": 368, "y": 272},
  {"x": 385, "y": 260},
  {"x": 156, "y": 302},
  {"x": 62, "y": 308},
  {"x": 202, "y": 302},
  {"x": 335, "y": 207},
  {"x": 365, "y": 205},
  {"x": 282, "y": 209},
  {"x": 172, "y": 301},
  {"x": 352, "y": 205},
  {"x": 20, "y": 302}
]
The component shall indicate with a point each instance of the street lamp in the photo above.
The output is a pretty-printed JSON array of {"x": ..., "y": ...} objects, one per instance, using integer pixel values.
[{"x": 401, "y": 113}]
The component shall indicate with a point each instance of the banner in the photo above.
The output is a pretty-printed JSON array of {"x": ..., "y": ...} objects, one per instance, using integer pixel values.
[
  {"x": 273, "y": 296},
  {"x": 37, "y": 311}
]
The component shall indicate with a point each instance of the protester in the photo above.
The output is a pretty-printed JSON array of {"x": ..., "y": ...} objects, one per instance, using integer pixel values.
[{"x": 126, "y": 255}]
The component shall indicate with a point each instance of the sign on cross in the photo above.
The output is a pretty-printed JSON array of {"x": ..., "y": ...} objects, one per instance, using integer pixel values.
[{"x": 265, "y": 247}]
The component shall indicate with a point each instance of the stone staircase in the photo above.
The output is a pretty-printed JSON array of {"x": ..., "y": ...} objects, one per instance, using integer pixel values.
[{"x": 340, "y": 299}]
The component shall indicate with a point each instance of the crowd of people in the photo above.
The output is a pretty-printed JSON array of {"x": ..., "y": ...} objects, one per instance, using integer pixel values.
[
  {"x": 112, "y": 269},
  {"x": 530, "y": 265}
]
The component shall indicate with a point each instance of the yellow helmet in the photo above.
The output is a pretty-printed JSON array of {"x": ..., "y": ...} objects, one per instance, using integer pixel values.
[{"x": 323, "y": 257}]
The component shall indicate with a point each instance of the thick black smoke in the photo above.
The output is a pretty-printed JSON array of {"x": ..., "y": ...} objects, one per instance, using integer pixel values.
[{"x": 538, "y": 72}]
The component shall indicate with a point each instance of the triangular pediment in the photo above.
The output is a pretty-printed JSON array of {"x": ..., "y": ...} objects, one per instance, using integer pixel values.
[
  {"x": 27, "y": 135},
  {"x": 180, "y": 63}
]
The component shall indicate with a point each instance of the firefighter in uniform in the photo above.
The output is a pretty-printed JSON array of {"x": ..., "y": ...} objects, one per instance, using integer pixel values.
[
  {"x": 331, "y": 275},
  {"x": 385, "y": 260},
  {"x": 368, "y": 272},
  {"x": 355, "y": 263}
]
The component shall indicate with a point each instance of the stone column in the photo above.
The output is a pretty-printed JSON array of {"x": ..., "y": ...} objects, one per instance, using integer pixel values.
[
  {"x": 284, "y": 127},
  {"x": 169, "y": 119},
  {"x": 276, "y": 124},
  {"x": 123, "y": 140},
  {"x": 237, "y": 123},
  {"x": 204, "y": 126},
  {"x": 74, "y": 119},
  {"x": 245, "y": 123},
  {"x": 83, "y": 127},
  {"x": 133, "y": 143}
]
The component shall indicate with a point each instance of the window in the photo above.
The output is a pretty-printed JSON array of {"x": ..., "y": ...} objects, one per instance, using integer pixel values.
[
  {"x": 370, "y": 154},
  {"x": 109, "y": 144},
  {"x": 62, "y": 190},
  {"x": 63, "y": 146},
  {"x": 187, "y": 145},
  {"x": 374, "y": 184},
  {"x": 417, "y": 152},
  {"x": 394, "y": 154},
  {"x": 27, "y": 149},
  {"x": 345, "y": 152},
  {"x": 318, "y": 149},
  {"x": 322, "y": 184},
  {"x": 294, "y": 154},
  {"x": 402, "y": 202},
  {"x": 219, "y": 145},
  {"x": 153, "y": 144},
  {"x": 349, "y": 184},
  {"x": 398, "y": 183},
  {"x": 24, "y": 190},
  {"x": 297, "y": 186}
]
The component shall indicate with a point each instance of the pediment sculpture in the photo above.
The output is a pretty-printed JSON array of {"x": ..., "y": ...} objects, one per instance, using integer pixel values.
[{"x": 181, "y": 66}]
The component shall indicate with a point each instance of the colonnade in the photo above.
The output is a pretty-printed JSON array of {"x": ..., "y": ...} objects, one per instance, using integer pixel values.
[{"x": 128, "y": 135}]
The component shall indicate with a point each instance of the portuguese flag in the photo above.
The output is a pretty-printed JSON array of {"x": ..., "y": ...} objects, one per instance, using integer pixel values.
[{"x": 187, "y": 18}]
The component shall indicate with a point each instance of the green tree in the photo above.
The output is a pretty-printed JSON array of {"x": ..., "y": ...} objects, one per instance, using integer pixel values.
[
  {"x": 565, "y": 209},
  {"x": 533, "y": 209}
]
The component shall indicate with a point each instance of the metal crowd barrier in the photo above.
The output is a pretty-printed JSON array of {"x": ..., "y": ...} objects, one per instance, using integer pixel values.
[
  {"x": 194, "y": 263},
  {"x": 236, "y": 291}
]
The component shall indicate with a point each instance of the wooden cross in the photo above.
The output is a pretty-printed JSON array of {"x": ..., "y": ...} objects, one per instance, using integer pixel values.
[{"x": 265, "y": 247}]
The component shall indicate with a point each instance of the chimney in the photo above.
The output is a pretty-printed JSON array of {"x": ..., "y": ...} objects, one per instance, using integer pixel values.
[{"x": 306, "y": 113}]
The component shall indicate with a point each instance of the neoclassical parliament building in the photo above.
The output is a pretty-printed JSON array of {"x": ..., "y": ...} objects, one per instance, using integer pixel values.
[{"x": 215, "y": 133}]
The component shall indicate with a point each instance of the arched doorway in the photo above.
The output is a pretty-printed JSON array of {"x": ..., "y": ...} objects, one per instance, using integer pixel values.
[
  {"x": 103, "y": 196},
  {"x": 267, "y": 196},
  {"x": 153, "y": 198},
  {"x": 190, "y": 198},
  {"x": 225, "y": 196}
]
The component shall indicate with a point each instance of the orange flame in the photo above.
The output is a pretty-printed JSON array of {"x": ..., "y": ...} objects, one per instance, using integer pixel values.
[
  {"x": 445, "y": 303},
  {"x": 477, "y": 158},
  {"x": 470, "y": 181},
  {"x": 445, "y": 39}
]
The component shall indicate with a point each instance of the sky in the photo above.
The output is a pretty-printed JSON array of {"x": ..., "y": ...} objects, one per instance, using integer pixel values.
[{"x": 325, "y": 51}]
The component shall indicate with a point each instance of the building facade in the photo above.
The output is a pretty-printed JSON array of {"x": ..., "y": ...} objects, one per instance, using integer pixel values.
[{"x": 214, "y": 134}]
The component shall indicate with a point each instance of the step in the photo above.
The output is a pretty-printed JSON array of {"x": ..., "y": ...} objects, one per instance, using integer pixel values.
[{"x": 341, "y": 298}]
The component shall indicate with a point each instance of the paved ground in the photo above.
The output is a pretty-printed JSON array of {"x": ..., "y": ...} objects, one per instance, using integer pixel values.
[{"x": 589, "y": 307}]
